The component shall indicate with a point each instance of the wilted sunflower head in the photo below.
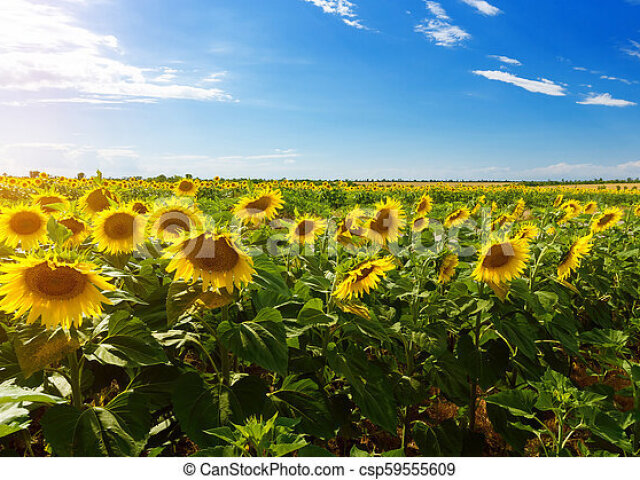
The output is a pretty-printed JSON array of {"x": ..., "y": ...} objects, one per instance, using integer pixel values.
[
  {"x": 55, "y": 291},
  {"x": 262, "y": 206},
  {"x": 457, "y": 217},
  {"x": 363, "y": 278},
  {"x": 447, "y": 268},
  {"x": 419, "y": 223},
  {"x": 79, "y": 230},
  {"x": 571, "y": 260},
  {"x": 213, "y": 257},
  {"x": 424, "y": 205},
  {"x": 186, "y": 187},
  {"x": 51, "y": 202},
  {"x": 590, "y": 208},
  {"x": 97, "y": 200},
  {"x": 607, "y": 219},
  {"x": 501, "y": 260},
  {"x": 174, "y": 220},
  {"x": 23, "y": 225},
  {"x": 387, "y": 221},
  {"x": 118, "y": 230},
  {"x": 306, "y": 228}
]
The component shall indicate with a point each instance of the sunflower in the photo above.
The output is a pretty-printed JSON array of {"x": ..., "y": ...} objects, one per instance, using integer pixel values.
[
  {"x": 51, "y": 202},
  {"x": 457, "y": 217},
  {"x": 212, "y": 257},
  {"x": 527, "y": 231},
  {"x": 79, "y": 230},
  {"x": 306, "y": 228},
  {"x": 24, "y": 225},
  {"x": 419, "y": 223},
  {"x": 387, "y": 221},
  {"x": 118, "y": 230},
  {"x": 97, "y": 200},
  {"x": 186, "y": 188},
  {"x": 140, "y": 207},
  {"x": 501, "y": 260},
  {"x": 571, "y": 260},
  {"x": 174, "y": 219},
  {"x": 518, "y": 210},
  {"x": 261, "y": 206},
  {"x": 57, "y": 292},
  {"x": 500, "y": 221},
  {"x": 590, "y": 208},
  {"x": 607, "y": 219},
  {"x": 572, "y": 209},
  {"x": 424, "y": 205},
  {"x": 363, "y": 278},
  {"x": 447, "y": 268},
  {"x": 636, "y": 210},
  {"x": 558, "y": 201}
]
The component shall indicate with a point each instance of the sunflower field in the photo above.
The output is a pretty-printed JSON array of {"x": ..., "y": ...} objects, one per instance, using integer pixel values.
[{"x": 299, "y": 318}]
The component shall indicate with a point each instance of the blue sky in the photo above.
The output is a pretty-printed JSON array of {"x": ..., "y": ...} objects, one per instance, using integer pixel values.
[{"x": 411, "y": 89}]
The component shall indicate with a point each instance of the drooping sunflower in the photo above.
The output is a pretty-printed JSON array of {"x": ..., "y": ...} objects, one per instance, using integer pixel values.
[
  {"x": 607, "y": 219},
  {"x": 55, "y": 291},
  {"x": 558, "y": 201},
  {"x": 447, "y": 268},
  {"x": 118, "y": 230},
  {"x": 306, "y": 228},
  {"x": 500, "y": 221},
  {"x": 259, "y": 207},
  {"x": 212, "y": 257},
  {"x": 571, "y": 260},
  {"x": 424, "y": 205},
  {"x": 501, "y": 260},
  {"x": 51, "y": 202},
  {"x": 174, "y": 219},
  {"x": 79, "y": 230},
  {"x": 386, "y": 222},
  {"x": 24, "y": 225},
  {"x": 419, "y": 223},
  {"x": 518, "y": 210},
  {"x": 186, "y": 187},
  {"x": 590, "y": 208},
  {"x": 527, "y": 231},
  {"x": 457, "y": 217},
  {"x": 97, "y": 200},
  {"x": 363, "y": 278}
]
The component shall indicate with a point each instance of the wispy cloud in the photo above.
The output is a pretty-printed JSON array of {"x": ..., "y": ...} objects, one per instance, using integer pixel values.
[
  {"x": 44, "y": 49},
  {"x": 507, "y": 60},
  {"x": 439, "y": 30},
  {"x": 483, "y": 7},
  {"x": 342, "y": 8},
  {"x": 634, "y": 50},
  {"x": 543, "y": 85},
  {"x": 605, "y": 99},
  {"x": 623, "y": 80}
]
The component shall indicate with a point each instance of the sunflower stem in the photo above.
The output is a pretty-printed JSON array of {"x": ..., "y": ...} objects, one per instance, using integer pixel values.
[{"x": 76, "y": 390}]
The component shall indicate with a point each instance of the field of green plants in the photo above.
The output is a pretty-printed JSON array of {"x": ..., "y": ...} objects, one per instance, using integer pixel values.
[{"x": 238, "y": 318}]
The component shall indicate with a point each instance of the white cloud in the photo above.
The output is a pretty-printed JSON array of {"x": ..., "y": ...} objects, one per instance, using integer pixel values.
[
  {"x": 634, "y": 51},
  {"x": 543, "y": 85},
  {"x": 439, "y": 30},
  {"x": 623, "y": 80},
  {"x": 583, "y": 171},
  {"x": 43, "y": 48},
  {"x": 605, "y": 99},
  {"x": 437, "y": 10},
  {"x": 483, "y": 7},
  {"x": 69, "y": 158},
  {"x": 507, "y": 60},
  {"x": 342, "y": 8}
]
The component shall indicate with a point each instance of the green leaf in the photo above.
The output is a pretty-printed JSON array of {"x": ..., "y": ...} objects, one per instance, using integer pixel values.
[
  {"x": 444, "y": 440},
  {"x": 518, "y": 402},
  {"x": 303, "y": 399},
  {"x": 199, "y": 409},
  {"x": 128, "y": 343},
  {"x": 312, "y": 313},
  {"x": 12, "y": 393},
  {"x": 262, "y": 341},
  {"x": 57, "y": 232},
  {"x": 119, "y": 429},
  {"x": 13, "y": 419}
]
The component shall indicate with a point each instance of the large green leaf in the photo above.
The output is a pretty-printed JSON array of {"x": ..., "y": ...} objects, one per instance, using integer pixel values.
[
  {"x": 303, "y": 399},
  {"x": 199, "y": 408},
  {"x": 13, "y": 419},
  {"x": 13, "y": 393},
  {"x": 312, "y": 313},
  {"x": 128, "y": 343},
  {"x": 262, "y": 341},
  {"x": 119, "y": 429},
  {"x": 518, "y": 402},
  {"x": 444, "y": 440}
]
